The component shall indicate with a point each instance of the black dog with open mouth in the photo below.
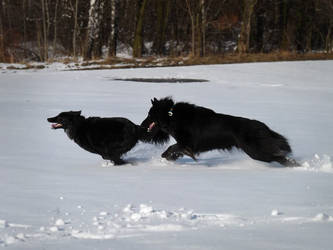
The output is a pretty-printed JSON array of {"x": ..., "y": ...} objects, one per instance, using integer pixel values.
[
  {"x": 197, "y": 129},
  {"x": 108, "y": 137}
]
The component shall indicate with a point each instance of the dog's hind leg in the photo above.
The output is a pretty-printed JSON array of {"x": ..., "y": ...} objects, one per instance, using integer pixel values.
[
  {"x": 118, "y": 161},
  {"x": 283, "y": 159},
  {"x": 115, "y": 159},
  {"x": 287, "y": 161}
]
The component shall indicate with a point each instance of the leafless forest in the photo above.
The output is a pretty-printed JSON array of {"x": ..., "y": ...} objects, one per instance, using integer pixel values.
[{"x": 40, "y": 30}]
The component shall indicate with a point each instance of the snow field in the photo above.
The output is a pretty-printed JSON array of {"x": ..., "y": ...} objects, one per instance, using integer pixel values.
[{"x": 54, "y": 194}]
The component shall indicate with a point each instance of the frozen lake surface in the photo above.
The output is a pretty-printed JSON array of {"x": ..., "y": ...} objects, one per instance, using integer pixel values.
[{"x": 55, "y": 195}]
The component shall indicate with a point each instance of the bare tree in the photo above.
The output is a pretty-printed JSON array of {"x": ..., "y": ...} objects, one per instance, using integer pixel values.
[
  {"x": 114, "y": 28},
  {"x": 244, "y": 36},
  {"x": 192, "y": 18},
  {"x": 45, "y": 52},
  {"x": 47, "y": 17},
  {"x": 162, "y": 12},
  {"x": 197, "y": 12},
  {"x": 203, "y": 27},
  {"x": 24, "y": 23},
  {"x": 39, "y": 40},
  {"x": 2, "y": 45},
  {"x": 75, "y": 28},
  {"x": 55, "y": 23},
  {"x": 138, "y": 37},
  {"x": 93, "y": 44},
  {"x": 329, "y": 38}
]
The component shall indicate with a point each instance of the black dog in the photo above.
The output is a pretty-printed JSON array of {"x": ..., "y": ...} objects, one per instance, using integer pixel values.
[
  {"x": 108, "y": 137},
  {"x": 198, "y": 129}
]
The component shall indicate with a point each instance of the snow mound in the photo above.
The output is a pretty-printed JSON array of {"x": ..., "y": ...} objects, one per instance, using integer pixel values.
[
  {"x": 144, "y": 218},
  {"x": 3, "y": 224},
  {"x": 91, "y": 236},
  {"x": 8, "y": 239},
  {"x": 319, "y": 164},
  {"x": 276, "y": 212},
  {"x": 323, "y": 217},
  {"x": 129, "y": 221}
]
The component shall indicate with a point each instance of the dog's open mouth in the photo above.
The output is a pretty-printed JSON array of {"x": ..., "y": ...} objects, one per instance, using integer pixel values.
[
  {"x": 151, "y": 126},
  {"x": 56, "y": 125}
]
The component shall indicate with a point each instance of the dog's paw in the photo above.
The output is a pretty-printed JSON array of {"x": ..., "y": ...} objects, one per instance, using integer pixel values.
[{"x": 107, "y": 164}]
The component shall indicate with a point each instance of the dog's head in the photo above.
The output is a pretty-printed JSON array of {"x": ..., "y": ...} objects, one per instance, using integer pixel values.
[
  {"x": 65, "y": 120},
  {"x": 158, "y": 119}
]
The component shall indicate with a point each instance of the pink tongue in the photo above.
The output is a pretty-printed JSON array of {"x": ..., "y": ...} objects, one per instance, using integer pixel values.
[
  {"x": 151, "y": 126},
  {"x": 56, "y": 125}
]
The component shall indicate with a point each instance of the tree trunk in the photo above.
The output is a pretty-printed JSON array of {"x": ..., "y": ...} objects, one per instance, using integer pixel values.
[
  {"x": 45, "y": 52},
  {"x": 198, "y": 34},
  {"x": 175, "y": 33},
  {"x": 39, "y": 41},
  {"x": 55, "y": 28},
  {"x": 329, "y": 42},
  {"x": 301, "y": 27},
  {"x": 163, "y": 10},
  {"x": 309, "y": 16},
  {"x": 278, "y": 25},
  {"x": 191, "y": 14},
  {"x": 257, "y": 29},
  {"x": 284, "y": 42},
  {"x": 244, "y": 37},
  {"x": 203, "y": 27},
  {"x": 24, "y": 26},
  {"x": 6, "y": 11},
  {"x": 93, "y": 44},
  {"x": 2, "y": 45},
  {"x": 75, "y": 28},
  {"x": 47, "y": 17},
  {"x": 138, "y": 38},
  {"x": 328, "y": 39},
  {"x": 114, "y": 28},
  {"x": 200, "y": 28}
]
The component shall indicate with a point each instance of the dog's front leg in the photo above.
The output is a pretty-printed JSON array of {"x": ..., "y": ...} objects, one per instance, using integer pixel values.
[
  {"x": 188, "y": 151},
  {"x": 173, "y": 153}
]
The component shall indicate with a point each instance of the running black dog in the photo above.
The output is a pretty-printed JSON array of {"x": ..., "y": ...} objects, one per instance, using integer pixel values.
[
  {"x": 108, "y": 137},
  {"x": 197, "y": 129}
]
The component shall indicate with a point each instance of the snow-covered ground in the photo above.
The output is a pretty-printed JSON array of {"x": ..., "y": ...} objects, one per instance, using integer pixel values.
[{"x": 55, "y": 195}]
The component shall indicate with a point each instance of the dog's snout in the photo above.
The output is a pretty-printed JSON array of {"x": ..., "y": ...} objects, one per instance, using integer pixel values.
[{"x": 51, "y": 119}]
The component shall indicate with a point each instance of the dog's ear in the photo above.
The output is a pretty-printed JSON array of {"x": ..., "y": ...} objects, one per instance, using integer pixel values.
[{"x": 153, "y": 101}]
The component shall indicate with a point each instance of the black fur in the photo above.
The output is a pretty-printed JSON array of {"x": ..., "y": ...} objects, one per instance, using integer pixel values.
[
  {"x": 197, "y": 129},
  {"x": 108, "y": 137}
]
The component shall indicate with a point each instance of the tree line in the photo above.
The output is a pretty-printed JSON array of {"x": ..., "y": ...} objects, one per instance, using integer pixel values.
[{"x": 46, "y": 29}]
